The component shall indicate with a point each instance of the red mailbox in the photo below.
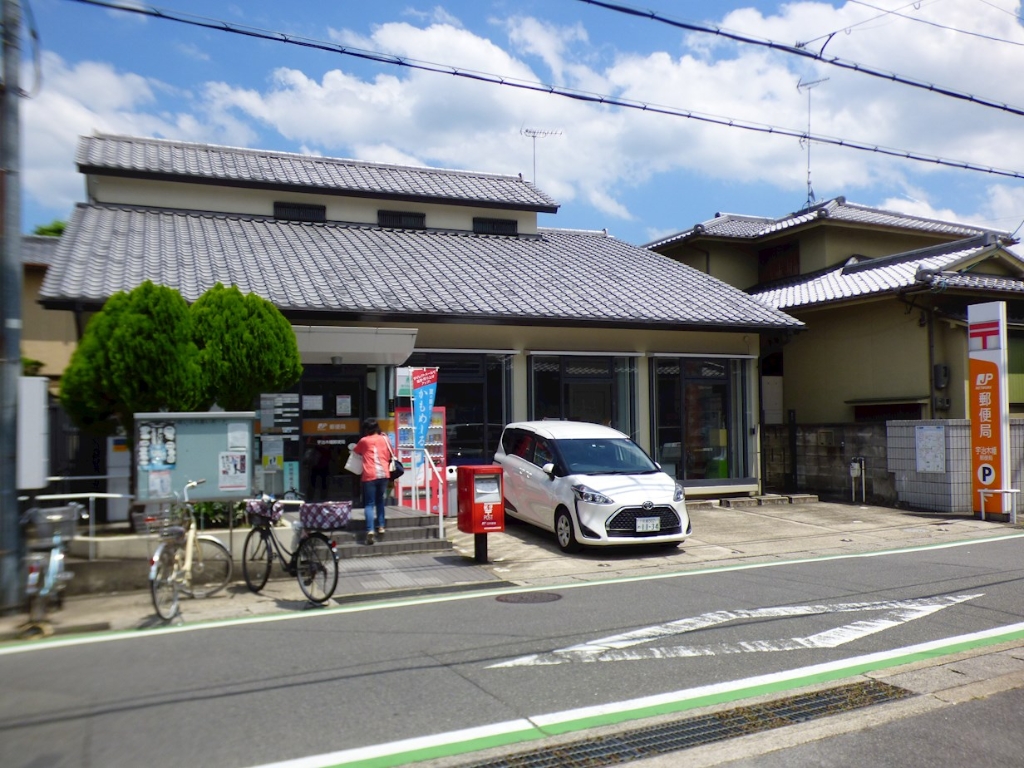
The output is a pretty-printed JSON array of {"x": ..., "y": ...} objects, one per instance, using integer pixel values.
[{"x": 481, "y": 504}]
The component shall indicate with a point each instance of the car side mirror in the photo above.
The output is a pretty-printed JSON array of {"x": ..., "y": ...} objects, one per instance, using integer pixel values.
[{"x": 549, "y": 470}]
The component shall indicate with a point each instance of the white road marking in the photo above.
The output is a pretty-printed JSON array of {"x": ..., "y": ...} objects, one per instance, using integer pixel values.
[
  {"x": 575, "y": 720},
  {"x": 622, "y": 647}
]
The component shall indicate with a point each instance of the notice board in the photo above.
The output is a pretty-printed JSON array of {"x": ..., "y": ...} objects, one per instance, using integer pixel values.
[{"x": 172, "y": 449}]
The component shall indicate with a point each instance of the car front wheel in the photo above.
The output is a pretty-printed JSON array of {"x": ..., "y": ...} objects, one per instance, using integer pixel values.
[{"x": 565, "y": 533}]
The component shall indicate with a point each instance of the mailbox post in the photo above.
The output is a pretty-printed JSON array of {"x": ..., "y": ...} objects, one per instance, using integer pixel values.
[{"x": 481, "y": 505}]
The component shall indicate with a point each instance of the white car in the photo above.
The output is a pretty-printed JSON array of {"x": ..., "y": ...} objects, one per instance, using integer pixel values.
[{"x": 591, "y": 485}]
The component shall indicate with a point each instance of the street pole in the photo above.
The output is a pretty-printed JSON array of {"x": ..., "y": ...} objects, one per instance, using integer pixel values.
[{"x": 10, "y": 305}]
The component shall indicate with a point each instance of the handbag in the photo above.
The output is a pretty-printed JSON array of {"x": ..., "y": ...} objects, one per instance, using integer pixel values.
[
  {"x": 397, "y": 468},
  {"x": 354, "y": 463}
]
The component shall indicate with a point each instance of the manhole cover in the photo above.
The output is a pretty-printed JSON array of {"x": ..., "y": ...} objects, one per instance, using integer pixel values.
[{"x": 529, "y": 597}]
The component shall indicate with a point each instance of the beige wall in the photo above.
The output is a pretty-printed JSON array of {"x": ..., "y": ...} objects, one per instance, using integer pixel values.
[
  {"x": 832, "y": 246},
  {"x": 258, "y": 202},
  {"x": 46, "y": 335},
  {"x": 871, "y": 350},
  {"x": 730, "y": 263}
]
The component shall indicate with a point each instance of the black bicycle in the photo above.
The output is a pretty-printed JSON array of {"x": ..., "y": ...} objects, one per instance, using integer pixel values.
[{"x": 314, "y": 563}]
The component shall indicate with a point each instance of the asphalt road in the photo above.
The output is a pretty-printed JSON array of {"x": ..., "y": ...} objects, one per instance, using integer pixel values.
[{"x": 350, "y": 682}]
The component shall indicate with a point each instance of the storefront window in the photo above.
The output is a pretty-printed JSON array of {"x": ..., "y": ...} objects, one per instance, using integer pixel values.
[
  {"x": 597, "y": 389},
  {"x": 700, "y": 418},
  {"x": 476, "y": 392}
]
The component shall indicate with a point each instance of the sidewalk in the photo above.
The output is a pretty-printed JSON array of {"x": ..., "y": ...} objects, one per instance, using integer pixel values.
[{"x": 524, "y": 556}]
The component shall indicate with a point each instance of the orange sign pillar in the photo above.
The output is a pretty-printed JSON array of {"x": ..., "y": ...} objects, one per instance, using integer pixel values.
[{"x": 989, "y": 407}]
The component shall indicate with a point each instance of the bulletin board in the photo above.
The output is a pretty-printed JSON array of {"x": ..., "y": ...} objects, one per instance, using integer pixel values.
[{"x": 172, "y": 449}]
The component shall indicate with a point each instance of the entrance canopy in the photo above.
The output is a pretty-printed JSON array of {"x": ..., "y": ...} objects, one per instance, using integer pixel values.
[{"x": 326, "y": 344}]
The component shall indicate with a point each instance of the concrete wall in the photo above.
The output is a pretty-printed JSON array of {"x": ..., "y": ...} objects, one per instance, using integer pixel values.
[{"x": 824, "y": 453}]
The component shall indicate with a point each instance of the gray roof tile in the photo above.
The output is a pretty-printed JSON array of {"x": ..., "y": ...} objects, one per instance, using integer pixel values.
[
  {"x": 889, "y": 274},
  {"x": 730, "y": 225},
  {"x": 38, "y": 249},
  {"x": 255, "y": 167},
  {"x": 558, "y": 277}
]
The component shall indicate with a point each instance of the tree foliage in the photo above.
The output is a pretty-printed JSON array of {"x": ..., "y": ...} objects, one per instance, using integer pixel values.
[
  {"x": 148, "y": 351},
  {"x": 246, "y": 347},
  {"x": 137, "y": 354},
  {"x": 54, "y": 229}
]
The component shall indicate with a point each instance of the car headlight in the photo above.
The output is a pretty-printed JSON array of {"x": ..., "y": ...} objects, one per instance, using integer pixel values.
[
  {"x": 590, "y": 496},
  {"x": 679, "y": 494}
]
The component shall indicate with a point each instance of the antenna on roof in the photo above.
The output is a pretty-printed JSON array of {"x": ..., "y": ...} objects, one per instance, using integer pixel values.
[
  {"x": 806, "y": 140},
  {"x": 535, "y": 133}
]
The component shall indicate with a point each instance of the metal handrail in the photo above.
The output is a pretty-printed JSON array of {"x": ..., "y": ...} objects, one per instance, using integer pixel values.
[{"x": 92, "y": 509}]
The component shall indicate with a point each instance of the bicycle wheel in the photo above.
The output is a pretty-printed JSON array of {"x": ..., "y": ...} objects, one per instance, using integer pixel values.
[
  {"x": 211, "y": 567},
  {"x": 316, "y": 568},
  {"x": 162, "y": 584},
  {"x": 256, "y": 559}
]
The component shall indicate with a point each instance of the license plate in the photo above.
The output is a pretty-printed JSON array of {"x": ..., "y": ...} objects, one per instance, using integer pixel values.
[{"x": 648, "y": 524}]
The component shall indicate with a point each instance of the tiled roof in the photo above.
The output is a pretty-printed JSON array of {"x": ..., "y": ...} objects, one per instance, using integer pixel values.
[
  {"x": 730, "y": 225},
  {"x": 557, "y": 277},
  {"x": 129, "y": 155},
  {"x": 890, "y": 274},
  {"x": 37, "y": 249}
]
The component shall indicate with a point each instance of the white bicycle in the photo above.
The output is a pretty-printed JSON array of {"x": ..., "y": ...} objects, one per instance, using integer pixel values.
[{"x": 186, "y": 562}]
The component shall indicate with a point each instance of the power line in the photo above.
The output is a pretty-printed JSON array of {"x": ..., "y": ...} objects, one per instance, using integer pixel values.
[
  {"x": 796, "y": 50},
  {"x": 827, "y": 37},
  {"x": 569, "y": 93},
  {"x": 935, "y": 24}
]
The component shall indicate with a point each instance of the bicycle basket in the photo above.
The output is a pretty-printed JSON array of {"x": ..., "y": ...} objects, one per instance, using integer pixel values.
[
  {"x": 167, "y": 523},
  {"x": 262, "y": 512},
  {"x": 328, "y": 516},
  {"x": 44, "y": 526}
]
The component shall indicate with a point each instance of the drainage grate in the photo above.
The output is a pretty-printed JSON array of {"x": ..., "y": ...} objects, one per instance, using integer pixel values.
[
  {"x": 529, "y": 597},
  {"x": 706, "y": 729}
]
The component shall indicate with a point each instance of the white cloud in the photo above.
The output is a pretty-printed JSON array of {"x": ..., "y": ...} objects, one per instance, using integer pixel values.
[{"x": 193, "y": 51}]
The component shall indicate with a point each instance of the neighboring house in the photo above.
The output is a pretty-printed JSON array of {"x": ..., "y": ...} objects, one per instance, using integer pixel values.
[
  {"x": 46, "y": 337},
  {"x": 884, "y": 298},
  {"x": 385, "y": 265}
]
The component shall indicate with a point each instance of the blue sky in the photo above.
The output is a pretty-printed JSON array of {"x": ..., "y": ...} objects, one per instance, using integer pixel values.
[{"x": 640, "y": 175}]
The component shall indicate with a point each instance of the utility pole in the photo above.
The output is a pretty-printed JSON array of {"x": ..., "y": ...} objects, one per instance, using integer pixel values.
[{"x": 10, "y": 305}]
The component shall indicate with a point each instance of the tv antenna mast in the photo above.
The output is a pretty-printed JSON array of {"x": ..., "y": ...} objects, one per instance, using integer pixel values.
[
  {"x": 809, "y": 86},
  {"x": 536, "y": 133}
]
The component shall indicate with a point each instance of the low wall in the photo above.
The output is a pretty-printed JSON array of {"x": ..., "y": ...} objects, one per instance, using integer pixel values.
[
  {"x": 824, "y": 453},
  {"x": 893, "y": 474}
]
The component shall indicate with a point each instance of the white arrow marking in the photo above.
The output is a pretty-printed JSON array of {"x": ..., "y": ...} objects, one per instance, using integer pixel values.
[{"x": 621, "y": 647}]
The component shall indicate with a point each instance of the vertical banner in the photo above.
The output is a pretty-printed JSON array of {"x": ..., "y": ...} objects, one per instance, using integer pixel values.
[
  {"x": 988, "y": 393},
  {"x": 424, "y": 390}
]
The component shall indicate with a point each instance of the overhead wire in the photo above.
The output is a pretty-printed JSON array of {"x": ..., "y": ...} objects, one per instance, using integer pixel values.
[
  {"x": 526, "y": 85},
  {"x": 946, "y": 27},
  {"x": 794, "y": 50},
  {"x": 829, "y": 35}
]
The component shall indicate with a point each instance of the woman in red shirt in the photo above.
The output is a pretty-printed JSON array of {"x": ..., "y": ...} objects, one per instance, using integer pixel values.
[{"x": 375, "y": 448}]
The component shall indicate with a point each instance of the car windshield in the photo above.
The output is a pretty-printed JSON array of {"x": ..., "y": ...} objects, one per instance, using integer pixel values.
[{"x": 604, "y": 456}]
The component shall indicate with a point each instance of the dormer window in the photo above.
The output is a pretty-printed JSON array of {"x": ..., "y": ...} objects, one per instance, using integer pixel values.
[
  {"x": 401, "y": 220},
  {"x": 300, "y": 212},
  {"x": 482, "y": 226}
]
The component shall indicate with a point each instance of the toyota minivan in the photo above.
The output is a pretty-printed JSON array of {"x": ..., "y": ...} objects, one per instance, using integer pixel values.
[{"x": 589, "y": 484}]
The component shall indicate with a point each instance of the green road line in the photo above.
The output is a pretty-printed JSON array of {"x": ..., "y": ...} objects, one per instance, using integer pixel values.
[{"x": 551, "y": 725}]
